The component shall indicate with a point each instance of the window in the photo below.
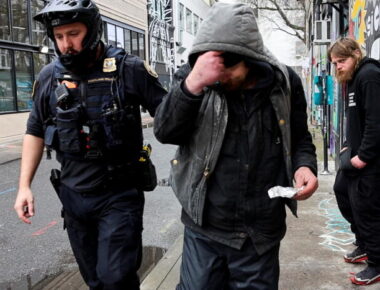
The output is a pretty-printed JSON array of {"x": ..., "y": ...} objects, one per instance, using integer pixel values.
[
  {"x": 142, "y": 46},
  {"x": 120, "y": 37},
  {"x": 111, "y": 34},
  {"x": 196, "y": 24},
  {"x": 20, "y": 21},
  {"x": 181, "y": 23},
  {"x": 135, "y": 46},
  {"x": 104, "y": 34},
  {"x": 40, "y": 60},
  {"x": 24, "y": 84},
  {"x": 39, "y": 35},
  {"x": 189, "y": 21},
  {"x": 181, "y": 19},
  {"x": 6, "y": 90},
  {"x": 127, "y": 40},
  {"x": 5, "y": 32}
]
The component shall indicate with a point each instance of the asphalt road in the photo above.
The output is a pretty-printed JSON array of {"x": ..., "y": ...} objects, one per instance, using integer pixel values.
[{"x": 31, "y": 251}]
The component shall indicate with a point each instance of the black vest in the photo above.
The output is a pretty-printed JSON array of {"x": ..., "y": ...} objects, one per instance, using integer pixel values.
[{"x": 92, "y": 118}]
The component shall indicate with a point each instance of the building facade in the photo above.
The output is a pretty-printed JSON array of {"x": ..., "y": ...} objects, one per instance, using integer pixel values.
[
  {"x": 25, "y": 47},
  {"x": 329, "y": 20},
  {"x": 161, "y": 30},
  {"x": 188, "y": 16}
]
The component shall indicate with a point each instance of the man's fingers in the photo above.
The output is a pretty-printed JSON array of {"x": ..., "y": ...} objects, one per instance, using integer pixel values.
[
  {"x": 25, "y": 211},
  {"x": 30, "y": 208}
]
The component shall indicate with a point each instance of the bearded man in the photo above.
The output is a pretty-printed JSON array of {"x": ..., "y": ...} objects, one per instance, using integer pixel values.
[{"x": 358, "y": 179}]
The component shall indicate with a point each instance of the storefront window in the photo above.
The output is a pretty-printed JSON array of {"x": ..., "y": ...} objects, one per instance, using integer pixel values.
[
  {"x": 142, "y": 45},
  {"x": 6, "y": 91},
  {"x": 20, "y": 21},
  {"x": 39, "y": 34},
  {"x": 4, "y": 20},
  {"x": 111, "y": 34},
  {"x": 40, "y": 60},
  {"x": 135, "y": 47},
  {"x": 23, "y": 80},
  {"x": 127, "y": 40},
  {"x": 120, "y": 37}
]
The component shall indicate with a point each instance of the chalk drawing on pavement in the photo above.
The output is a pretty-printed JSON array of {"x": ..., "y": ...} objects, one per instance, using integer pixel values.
[{"x": 339, "y": 232}]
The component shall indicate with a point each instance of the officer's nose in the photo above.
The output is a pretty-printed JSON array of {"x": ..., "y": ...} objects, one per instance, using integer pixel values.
[{"x": 67, "y": 44}]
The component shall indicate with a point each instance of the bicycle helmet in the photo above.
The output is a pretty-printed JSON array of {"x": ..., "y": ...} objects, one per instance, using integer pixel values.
[{"x": 61, "y": 12}]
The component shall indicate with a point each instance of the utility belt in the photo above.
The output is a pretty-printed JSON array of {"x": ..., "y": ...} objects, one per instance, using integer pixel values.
[
  {"x": 140, "y": 174},
  {"x": 133, "y": 176}
]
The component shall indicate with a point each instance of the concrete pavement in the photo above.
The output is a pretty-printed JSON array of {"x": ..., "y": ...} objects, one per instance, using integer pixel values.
[{"x": 310, "y": 256}]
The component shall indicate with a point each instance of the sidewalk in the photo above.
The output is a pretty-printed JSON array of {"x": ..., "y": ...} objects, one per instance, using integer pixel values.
[{"x": 311, "y": 255}]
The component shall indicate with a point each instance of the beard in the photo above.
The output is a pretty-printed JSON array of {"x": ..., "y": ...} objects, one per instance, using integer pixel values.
[{"x": 344, "y": 76}]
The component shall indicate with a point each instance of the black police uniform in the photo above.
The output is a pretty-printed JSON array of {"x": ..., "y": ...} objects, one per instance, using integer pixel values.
[{"x": 95, "y": 128}]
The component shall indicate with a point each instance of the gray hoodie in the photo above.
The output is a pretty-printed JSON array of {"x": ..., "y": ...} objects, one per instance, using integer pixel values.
[
  {"x": 233, "y": 28},
  {"x": 198, "y": 124}
]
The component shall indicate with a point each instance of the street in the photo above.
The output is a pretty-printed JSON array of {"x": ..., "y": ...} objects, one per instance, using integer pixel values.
[{"x": 29, "y": 252}]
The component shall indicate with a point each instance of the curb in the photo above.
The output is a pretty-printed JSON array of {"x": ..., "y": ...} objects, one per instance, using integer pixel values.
[{"x": 165, "y": 274}]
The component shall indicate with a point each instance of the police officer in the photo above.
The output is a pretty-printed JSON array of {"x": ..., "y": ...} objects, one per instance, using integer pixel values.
[{"x": 87, "y": 108}]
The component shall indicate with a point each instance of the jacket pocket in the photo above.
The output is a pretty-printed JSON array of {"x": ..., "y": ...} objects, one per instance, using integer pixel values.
[
  {"x": 345, "y": 163},
  {"x": 50, "y": 137},
  {"x": 68, "y": 127}
]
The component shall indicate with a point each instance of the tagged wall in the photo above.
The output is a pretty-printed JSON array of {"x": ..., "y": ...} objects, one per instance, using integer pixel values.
[
  {"x": 161, "y": 38},
  {"x": 365, "y": 25}
]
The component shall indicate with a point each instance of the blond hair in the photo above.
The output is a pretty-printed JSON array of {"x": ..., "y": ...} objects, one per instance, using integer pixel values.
[{"x": 345, "y": 47}]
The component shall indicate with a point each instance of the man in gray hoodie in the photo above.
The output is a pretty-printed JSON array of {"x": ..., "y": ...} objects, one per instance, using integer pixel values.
[{"x": 239, "y": 118}]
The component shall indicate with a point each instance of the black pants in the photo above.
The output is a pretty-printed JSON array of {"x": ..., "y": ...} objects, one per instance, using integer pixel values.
[
  {"x": 344, "y": 204},
  {"x": 209, "y": 265},
  {"x": 364, "y": 200},
  {"x": 105, "y": 234}
]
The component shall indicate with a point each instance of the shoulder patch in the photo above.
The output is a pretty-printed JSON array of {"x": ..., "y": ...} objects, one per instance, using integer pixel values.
[
  {"x": 109, "y": 64},
  {"x": 35, "y": 86},
  {"x": 150, "y": 70}
]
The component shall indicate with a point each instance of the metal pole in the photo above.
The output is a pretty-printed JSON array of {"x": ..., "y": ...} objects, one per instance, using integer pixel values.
[{"x": 324, "y": 127}]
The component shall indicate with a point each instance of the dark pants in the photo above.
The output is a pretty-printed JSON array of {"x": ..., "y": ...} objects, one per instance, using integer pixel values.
[
  {"x": 364, "y": 199},
  {"x": 344, "y": 204},
  {"x": 105, "y": 234},
  {"x": 209, "y": 265}
]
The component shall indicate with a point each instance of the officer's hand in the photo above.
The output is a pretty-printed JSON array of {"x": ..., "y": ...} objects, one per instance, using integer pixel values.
[
  {"x": 357, "y": 163},
  {"x": 208, "y": 69},
  {"x": 24, "y": 205},
  {"x": 306, "y": 178}
]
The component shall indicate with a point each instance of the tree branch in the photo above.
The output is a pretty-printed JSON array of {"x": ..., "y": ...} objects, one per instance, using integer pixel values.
[
  {"x": 278, "y": 27},
  {"x": 285, "y": 18},
  {"x": 275, "y": 9}
]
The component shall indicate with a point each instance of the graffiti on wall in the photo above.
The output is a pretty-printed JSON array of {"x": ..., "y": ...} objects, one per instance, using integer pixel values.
[
  {"x": 160, "y": 21},
  {"x": 365, "y": 25},
  {"x": 357, "y": 20},
  {"x": 338, "y": 234},
  {"x": 373, "y": 28}
]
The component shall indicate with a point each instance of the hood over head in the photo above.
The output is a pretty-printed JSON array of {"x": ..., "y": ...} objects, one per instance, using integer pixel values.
[{"x": 232, "y": 28}]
